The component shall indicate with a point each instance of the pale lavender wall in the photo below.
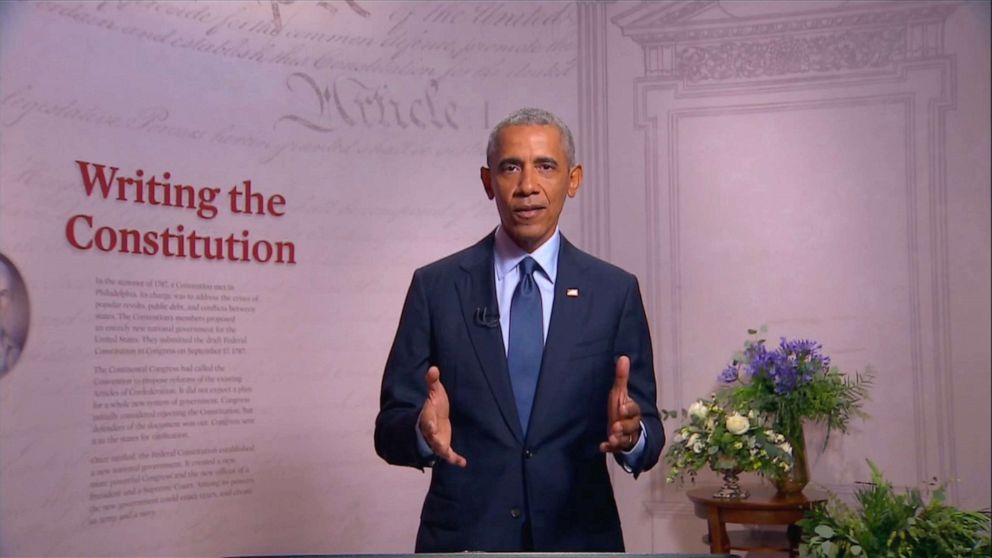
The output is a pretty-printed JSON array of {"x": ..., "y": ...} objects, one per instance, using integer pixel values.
[{"x": 822, "y": 168}]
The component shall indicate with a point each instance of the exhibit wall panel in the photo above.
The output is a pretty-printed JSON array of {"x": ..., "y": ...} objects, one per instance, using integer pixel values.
[{"x": 215, "y": 210}]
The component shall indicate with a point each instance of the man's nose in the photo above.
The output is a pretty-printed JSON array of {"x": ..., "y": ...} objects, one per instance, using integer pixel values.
[{"x": 528, "y": 181}]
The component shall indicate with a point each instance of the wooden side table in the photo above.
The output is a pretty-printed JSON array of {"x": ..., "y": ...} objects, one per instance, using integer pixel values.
[{"x": 765, "y": 506}]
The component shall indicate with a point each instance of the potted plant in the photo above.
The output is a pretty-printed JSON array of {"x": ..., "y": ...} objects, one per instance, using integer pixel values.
[
  {"x": 886, "y": 524},
  {"x": 729, "y": 441},
  {"x": 794, "y": 383}
]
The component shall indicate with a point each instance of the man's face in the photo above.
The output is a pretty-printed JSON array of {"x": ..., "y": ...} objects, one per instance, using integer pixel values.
[{"x": 529, "y": 180}]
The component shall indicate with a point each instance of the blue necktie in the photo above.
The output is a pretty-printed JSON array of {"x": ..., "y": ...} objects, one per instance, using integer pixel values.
[{"x": 524, "y": 355}]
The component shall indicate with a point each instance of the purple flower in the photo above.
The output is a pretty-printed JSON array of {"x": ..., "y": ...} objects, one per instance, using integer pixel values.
[
  {"x": 793, "y": 364},
  {"x": 729, "y": 374},
  {"x": 785, "y": 376},
  {"x": 806, "y": 357},
  {"x": 805, "y": 350},
  {"x": 762, "y": 362},
  {"x": 799, "y": 346}
]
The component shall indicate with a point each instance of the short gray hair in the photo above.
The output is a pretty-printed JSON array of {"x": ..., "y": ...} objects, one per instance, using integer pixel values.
[{"x": 532, "y": 117}]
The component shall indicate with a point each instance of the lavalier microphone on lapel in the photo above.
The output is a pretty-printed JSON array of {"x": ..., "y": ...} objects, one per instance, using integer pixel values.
[{"x": 485, "y": 319}]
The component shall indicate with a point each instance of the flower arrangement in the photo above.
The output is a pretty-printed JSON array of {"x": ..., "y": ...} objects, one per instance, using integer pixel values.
[
  {"x": 795, "y": 382},
  {"x": 724, "y": 439},
  {"x": 891, "y": 524}
]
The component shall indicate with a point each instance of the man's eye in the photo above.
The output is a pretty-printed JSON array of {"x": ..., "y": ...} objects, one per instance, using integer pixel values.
[
  {"x": 546, "y": 167},
  {"x": 510, "y": 168}
]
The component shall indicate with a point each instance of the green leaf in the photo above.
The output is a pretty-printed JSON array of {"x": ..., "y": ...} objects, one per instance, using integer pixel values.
[{"x": 824, "y": 531}]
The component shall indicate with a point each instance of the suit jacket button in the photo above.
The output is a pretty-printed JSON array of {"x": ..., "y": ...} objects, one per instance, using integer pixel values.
[
  {"x": 515, "y": 513},
  {"x": 528, "y": 454}
]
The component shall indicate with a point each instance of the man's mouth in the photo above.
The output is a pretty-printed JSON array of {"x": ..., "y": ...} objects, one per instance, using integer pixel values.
[{"x": 529, "y": 212}]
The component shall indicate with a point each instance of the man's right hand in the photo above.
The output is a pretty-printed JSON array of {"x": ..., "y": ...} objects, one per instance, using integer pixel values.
[{"x": 435, "y": 422}]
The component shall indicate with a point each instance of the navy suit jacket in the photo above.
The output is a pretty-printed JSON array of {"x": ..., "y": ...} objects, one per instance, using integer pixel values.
[{"x": 555, "y": 477}]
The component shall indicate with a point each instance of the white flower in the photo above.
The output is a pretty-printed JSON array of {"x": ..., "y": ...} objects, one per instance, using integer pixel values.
[
  {"x": 737, "y": 424},
  {"x": 695, "y": 443},
  {"x": 786, "y": 447},
  {"x": 698, "y": 410}
]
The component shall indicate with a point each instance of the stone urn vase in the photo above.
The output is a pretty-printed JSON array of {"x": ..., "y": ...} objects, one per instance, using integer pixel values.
[{"x": 731, "y": 489}]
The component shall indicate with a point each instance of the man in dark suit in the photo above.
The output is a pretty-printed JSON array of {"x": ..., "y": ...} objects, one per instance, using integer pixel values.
[{"x": 517, "y": 365}]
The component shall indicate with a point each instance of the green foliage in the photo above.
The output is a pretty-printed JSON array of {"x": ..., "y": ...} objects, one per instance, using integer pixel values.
[
  {"x": 830, "y": 398},
  {"x": 891, "y": 525}
]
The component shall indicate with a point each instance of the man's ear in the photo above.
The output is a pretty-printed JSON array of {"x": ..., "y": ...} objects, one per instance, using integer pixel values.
[
  {"x": 487, "y": 182},
  {"x": 574, "y": 180}
]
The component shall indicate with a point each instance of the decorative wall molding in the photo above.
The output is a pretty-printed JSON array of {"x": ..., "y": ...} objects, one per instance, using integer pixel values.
[
  {"x": 679, "y": 44},
  {"x": 855, "y": 49},
  {"x": 593, "y": 140}
]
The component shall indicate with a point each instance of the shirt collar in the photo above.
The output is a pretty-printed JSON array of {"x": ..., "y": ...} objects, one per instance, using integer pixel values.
[{"x": 508, "y": 255}]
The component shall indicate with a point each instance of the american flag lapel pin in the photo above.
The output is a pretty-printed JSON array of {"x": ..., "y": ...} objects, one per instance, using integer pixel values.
[{"x": 572, "y": 293}]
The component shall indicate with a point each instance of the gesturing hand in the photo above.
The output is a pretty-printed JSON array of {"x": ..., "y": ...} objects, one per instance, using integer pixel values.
[
  {"x": 624, "y": 414},
  {"x": 435, "y": 423}
]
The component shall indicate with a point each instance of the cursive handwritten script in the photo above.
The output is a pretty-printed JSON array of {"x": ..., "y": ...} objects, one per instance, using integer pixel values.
[
  {"x": 348, "y": 101},
  {"x": 277, "y": 17}
]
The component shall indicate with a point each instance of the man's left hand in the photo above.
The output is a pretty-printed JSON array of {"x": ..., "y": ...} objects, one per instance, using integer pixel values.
[{"x": 624, "y": 414}]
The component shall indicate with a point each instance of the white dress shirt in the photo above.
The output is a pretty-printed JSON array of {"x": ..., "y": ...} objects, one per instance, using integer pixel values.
[{"x": 506, "y": 264}]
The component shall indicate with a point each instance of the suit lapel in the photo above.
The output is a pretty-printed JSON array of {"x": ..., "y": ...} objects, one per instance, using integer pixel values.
[
  {"x": 476, "y": 291},
  {"x": 567, "y": 314}
]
